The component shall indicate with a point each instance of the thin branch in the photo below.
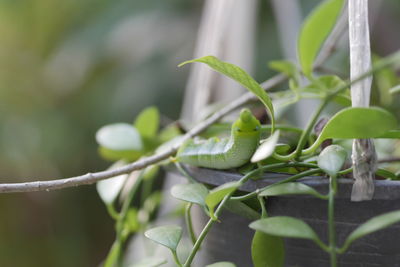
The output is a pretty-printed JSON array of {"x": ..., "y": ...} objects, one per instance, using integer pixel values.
[
  {"x": 91, "y": 178},
  {"x": 389, "y": 160}
]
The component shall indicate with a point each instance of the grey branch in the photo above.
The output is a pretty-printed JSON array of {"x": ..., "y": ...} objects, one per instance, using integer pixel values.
[{"x": 91, "y": 178}]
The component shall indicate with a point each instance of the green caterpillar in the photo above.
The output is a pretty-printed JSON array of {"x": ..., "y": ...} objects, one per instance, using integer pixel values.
[{"x": 225, "y": 153}]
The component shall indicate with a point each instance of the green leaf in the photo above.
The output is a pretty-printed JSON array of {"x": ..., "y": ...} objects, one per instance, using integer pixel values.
[
  {"x": 109, "y": 189},
  {"x": 167, "y": 236},
  {"x": 119, "y": 137},
  {"x": 372, "y": 225},
  {"x": 240, "y": 208},
  {"x": 193, "y": 193},
  {"x": 147, "y": 122},
  {"x": 149, "y": 207},
  {"x": 150, "y": 172},
  {"x": 315, "y": 30},
  {"x": 286, "y": 67},
  {"x": 267, "y": 250},
  {"x": 113, "y": 155},
  {"x": 248, "y": 167},
  {"x": 285, "y": 227},
  {"x": 169, "y": 132},
  {"x": 150, "y": 262},
  {"x": 282, "y": 148},
  {"x": 327, "y": 83},
  {"x": 393, "y": 134},
  {"x": 267, "y": 148},
  {"x": 386, "y": 174},
  {"x": 357, "y": 123},
  {"x": 239, "y": 75},
  {"x": 222, "y": 264},
  {"x": 384, "y": 80},
  {"x": 291, "y": 189},
  {"x": 331, "y": 159},
  {"x": 217, "y": 195}
]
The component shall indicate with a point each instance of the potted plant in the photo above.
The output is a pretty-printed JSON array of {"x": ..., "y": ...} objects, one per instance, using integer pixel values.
[
  {"x": 321, "y": 210},
  {"x": 281, "y": 188}
]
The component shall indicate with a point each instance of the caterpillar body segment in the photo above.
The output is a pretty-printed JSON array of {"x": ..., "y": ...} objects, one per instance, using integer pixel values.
[{"x": 226, "y": 153}]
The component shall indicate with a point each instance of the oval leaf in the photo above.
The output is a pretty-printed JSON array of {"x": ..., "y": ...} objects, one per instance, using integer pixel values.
[
  {"x": 288, "y": 68},
  {"x": 109, "y": 189},
  {"x": 147, "y": 122},
  {"x": 285, "y": 227},
  {"x": 242, "y": 209},
  {"x": 331, "y": 159},
  {"x": 222, "y": 264},
  {"x": 327, "y": 83},
  {"x": 291, "y": 189},
  {"x": 372, "y": 225},
  {"x": 113, "y": 155},
  {"x": 386, "y": 174},
  {"x": 357, "y": 123},
  {"x": 267, "y": 250},
  {"x": 168, "y": 236},
  {"x": 315, "y": 30},
  {"x": 217, "y": 194},
  {"x": 267, "y": 148},
  {"x": 239, "y": 75},
  {"x": 169, "y": 132},
  {"x": 194, "y": 193},
  {"x": 120, "y": 137}
]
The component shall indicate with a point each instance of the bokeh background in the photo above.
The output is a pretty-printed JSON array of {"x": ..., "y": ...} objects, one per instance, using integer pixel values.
[{"x": 68, "y": 67}]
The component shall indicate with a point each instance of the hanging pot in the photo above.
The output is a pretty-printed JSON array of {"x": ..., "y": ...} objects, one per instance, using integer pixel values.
[{"x": 230, "y": 239}]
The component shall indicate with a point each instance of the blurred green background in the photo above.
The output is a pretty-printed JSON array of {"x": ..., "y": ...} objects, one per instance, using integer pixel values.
[
  {"x": 66, "y": 69},
  {"x": 69, "y": 67}
]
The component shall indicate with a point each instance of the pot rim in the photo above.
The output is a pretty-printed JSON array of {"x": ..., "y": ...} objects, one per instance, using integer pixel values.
[{"x": 384, "y": 189}]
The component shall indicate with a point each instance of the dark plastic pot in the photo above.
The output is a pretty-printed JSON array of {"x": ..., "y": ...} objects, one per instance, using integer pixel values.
[{"x": 230, "y": 240}]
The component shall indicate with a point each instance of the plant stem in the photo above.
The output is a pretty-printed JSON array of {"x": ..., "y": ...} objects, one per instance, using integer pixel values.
[
  {"x": 201, "y": 237},
  {"x": 222, "y": 127},
  {"x": 176, "y": 259},
  {"x": 290, "y": 179},
  {"x": 189, "y": 224},
  {"x": 309, "y": 127},
  {"x": 113, "y": 255},
  {"x": 286, "y": 128},
  {"x": 112, "y": 212},
  {"x": 184, "y": 173},
  {"x": 345, "y": 171},
  {"x": 305, "y": 135},
  {"x": 264, "y": 213},
  {"x": 120, "y": 234},
  {"x": 303, "y": 138},
  {"x": 331, "y": 221},
  {"x": 280, "y": 165},
  {"x": 211, "y": 221},
  {"x": 129, "y": 198}
]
